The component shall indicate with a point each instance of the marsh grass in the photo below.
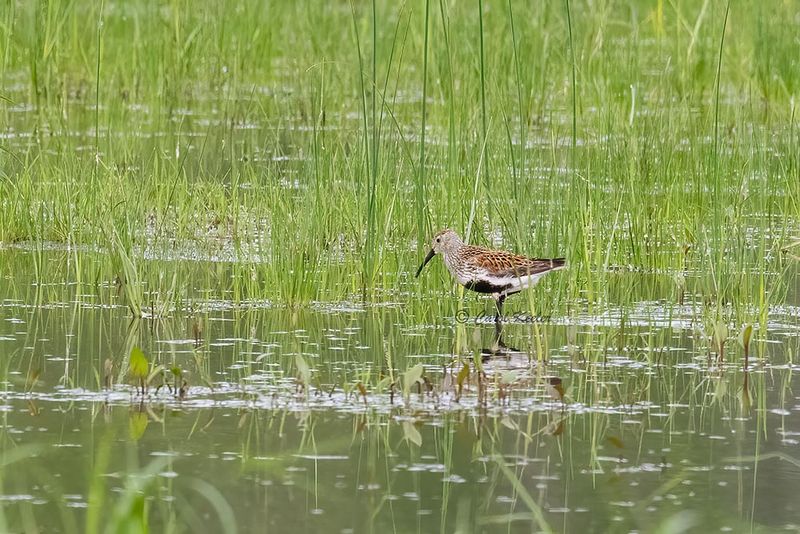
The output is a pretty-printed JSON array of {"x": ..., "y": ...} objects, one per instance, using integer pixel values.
[{"x": 648, "y": 140}]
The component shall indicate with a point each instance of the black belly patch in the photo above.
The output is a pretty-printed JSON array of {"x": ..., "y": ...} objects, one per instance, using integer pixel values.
[{"x": 482, "y": 286}]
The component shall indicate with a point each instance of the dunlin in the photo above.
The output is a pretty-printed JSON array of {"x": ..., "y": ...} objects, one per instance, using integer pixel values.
[{"x": 495, "y": 272}]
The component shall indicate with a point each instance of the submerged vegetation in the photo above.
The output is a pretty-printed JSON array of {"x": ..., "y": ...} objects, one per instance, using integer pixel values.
[{"x": 210, "y": 217}]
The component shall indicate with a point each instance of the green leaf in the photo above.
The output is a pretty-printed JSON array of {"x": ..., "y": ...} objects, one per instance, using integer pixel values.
[
  {"x": 411, "y": 377},
  {"x": 303, "y": 370},
  {"x": 744, "y": 335},
  {"x": 137, "y": 424},
  {"x": 411, "y": 433},
  {"x": 137, "y": 365},
  {"x": 720, "y": 333},
  {"x": 745, "y": 401},
  {"x": 720, "y": 391},
  {"x": 383, "y": 383},
  {"x": 463, "y": 376}
]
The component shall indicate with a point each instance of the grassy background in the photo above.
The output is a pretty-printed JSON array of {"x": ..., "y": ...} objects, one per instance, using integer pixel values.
[{"x": 312, "y": 148}]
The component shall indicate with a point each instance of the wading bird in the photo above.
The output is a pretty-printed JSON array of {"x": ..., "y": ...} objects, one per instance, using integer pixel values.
[{"x": 495, "y": 272}]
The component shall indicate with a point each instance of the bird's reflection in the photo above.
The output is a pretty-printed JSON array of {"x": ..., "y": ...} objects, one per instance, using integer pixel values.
[{"x": 499, "y": 348}]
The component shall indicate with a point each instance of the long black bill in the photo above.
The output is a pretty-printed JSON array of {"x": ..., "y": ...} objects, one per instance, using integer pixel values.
[{"x": 428, "y": 258}]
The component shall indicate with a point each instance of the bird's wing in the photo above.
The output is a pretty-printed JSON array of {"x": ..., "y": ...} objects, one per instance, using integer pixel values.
[
  {"x": 534, "y": 266},
  {"x": 504, "y": 264}
]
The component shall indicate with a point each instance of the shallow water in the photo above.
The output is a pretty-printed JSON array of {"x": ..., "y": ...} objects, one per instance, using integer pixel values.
[{"x": 652, "y": 431}]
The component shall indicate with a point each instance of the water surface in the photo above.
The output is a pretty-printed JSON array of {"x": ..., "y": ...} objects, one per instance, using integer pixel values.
[{"x": 652, "y": 430}]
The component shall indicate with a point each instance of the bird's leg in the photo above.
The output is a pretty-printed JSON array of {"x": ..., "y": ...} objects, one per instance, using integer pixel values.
[
  {"x": 498, "y": 337},
  {"x": 499, "y": 300},
  {"x": 499, "y": 347},
  {"x": 498, "y": 323}
]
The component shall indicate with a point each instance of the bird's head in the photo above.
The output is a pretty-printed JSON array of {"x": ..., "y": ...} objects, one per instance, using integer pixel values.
[{"x": 444, "y": 242}]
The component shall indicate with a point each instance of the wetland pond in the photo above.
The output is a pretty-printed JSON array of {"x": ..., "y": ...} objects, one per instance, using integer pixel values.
[
  {"x": 262, "y": 417},
  {"x": 210, "y": 218}
]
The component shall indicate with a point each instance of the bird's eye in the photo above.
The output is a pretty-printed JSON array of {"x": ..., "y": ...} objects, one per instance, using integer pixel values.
[{"x": 438, "y": 239}]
